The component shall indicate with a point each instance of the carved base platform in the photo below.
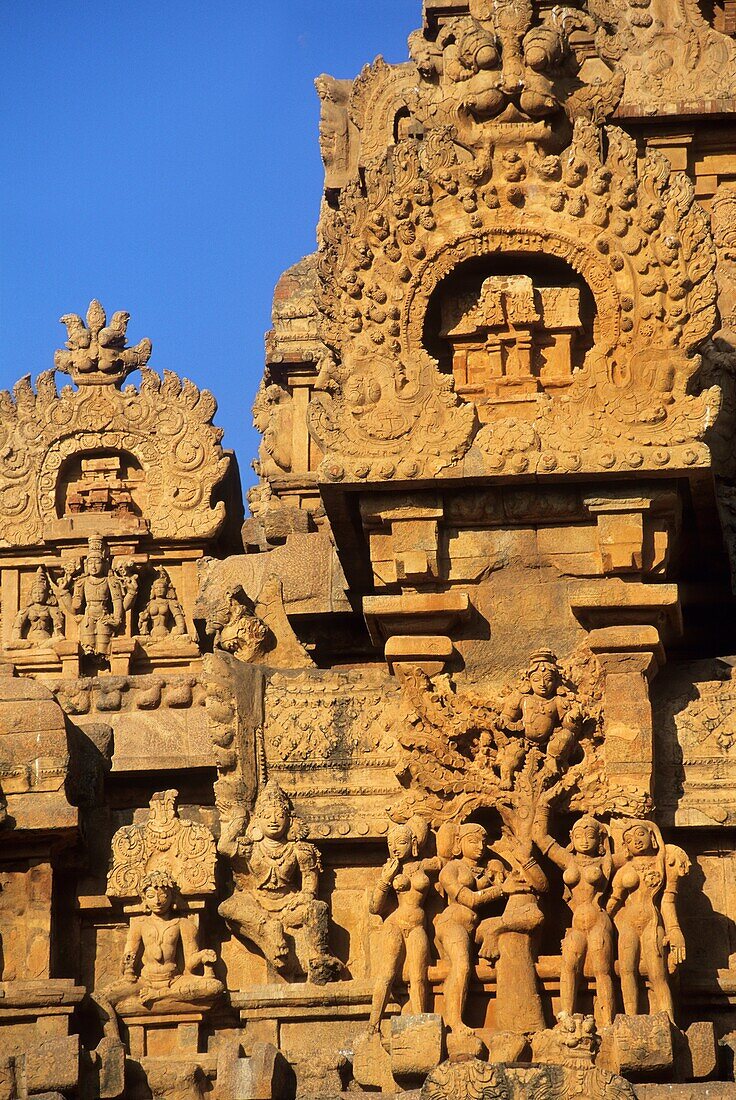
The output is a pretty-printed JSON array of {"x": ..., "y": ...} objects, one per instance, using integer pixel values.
[{"x": 160, "y": 1034}]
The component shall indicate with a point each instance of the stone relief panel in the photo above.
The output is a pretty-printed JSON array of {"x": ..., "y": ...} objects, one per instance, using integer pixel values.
[
  {"x": 695, "y": 723},
  {"x": 425, "y": 215},
  {"x": 672, "y": 59}
]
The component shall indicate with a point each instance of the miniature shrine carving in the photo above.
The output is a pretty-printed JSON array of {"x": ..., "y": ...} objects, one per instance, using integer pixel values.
[
  {"x": 276, "y": 872},
  {"x": 420, "y": 781}
]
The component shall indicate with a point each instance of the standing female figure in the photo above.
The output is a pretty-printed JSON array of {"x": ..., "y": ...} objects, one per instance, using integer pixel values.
[
  {"x": 469, "y": 884},
  {"x": 643, "y": 903},
  {"x": 403, "y": 933},
  {"x": 587, "y": 867}
]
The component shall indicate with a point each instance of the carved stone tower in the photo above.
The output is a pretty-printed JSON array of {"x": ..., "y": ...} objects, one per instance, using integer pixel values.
[{"x": 427, "y": 785}]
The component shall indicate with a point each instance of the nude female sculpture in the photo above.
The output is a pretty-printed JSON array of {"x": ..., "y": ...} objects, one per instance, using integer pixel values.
[
  {"x": 587, "y": 867},
  {"x": 643, "y": 903},
  {"x": 403, "y": 933}
]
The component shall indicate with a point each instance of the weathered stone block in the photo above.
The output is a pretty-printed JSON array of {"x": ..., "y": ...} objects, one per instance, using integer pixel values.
[{"x": 416, "y": 1044}]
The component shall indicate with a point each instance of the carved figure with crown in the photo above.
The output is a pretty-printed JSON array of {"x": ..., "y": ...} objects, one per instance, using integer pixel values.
[
  {"x": 276, "y": 871},
  {"x": 96, "y": 599},
  {"x": 41, "y": 620}
]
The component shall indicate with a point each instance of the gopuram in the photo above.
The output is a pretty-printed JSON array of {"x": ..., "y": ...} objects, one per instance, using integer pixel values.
[{"x": 421, "y": 780}]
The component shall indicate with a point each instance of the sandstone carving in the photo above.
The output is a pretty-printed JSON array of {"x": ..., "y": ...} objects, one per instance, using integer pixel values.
[
  {"x": 152, "y": 978},
  {"x": 41, "y": 620},
  {"x": 404, "y": 939},
  {"x": 165, "y": 842},
  {"x": 643, "y": 903},
  {"x": 276, "y": 873},
  {"x": 96, "y": 354},
  {"x": 419, "y": 780},
  {"x": 95, "y": 598},
  {"x": 587, "y": 868},
  {"x": 162, "y": 617}
]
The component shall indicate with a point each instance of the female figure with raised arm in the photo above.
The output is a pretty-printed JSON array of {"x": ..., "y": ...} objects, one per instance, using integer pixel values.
[
  {"x": 403, "y": 933},
  {"x": 587, "y": 867}
]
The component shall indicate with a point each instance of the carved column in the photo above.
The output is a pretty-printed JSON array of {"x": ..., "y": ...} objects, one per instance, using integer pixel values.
[{"x": 627, "y": 624}]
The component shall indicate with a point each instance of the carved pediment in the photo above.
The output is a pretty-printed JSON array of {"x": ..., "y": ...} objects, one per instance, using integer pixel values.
[
  {"x": 148, "y": 455},
  {"x": 622, "y": 237}
]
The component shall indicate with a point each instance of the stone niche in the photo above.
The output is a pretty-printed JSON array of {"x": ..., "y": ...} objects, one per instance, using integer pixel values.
[{"x": 511, "y": 336}]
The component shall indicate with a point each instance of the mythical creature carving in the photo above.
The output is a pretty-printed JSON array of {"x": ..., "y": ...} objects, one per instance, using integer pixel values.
[
  {"x": 495, "y": 63},
  {"x": 276, "y": 873},
  {"x": 96, "y": 353},
  {"x": 41, "y": 620},
  {"x": 236, "y": 627},
  {"x": 153, "y": 977}
]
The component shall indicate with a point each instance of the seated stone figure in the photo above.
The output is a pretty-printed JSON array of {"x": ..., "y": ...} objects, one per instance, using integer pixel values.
[
  {"x": 41, "y": 620},
  {"x": 276, "y": 875},
  {"x": 167, "y": 945},
  {"x": 539, "y": 717}
]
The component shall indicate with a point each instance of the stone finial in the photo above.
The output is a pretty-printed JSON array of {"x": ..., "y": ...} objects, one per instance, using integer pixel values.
[{"x": 96, "y": 353}]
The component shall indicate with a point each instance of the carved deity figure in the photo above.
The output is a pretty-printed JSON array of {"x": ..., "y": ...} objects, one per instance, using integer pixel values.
[
  {"x": 97, "y": 600},
  {"x": 403, "y": 936},
  {"x": 541, "y": 717},
  {"x": 152, "y": 973},
  {"x": 587, "y": 867},
  {"x": 162, "y": 616},
  {"x": 40, "y": 620},
  {"x": 469, "y": 882},
  {"x": 276, "y": 873},
  {"x": 643, "y": 903}
]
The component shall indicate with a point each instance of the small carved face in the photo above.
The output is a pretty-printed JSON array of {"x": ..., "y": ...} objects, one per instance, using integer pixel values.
[
  {"x": 159, "y": 588},
  {"x": 586, "y": 837},
  {"x": 400, "y": 843},
  {"x": 158, "y": 898},
  {"x": 472, "y": 844},
  {"x": 639, "y": 840},
  {"x": 40, "y": 590},
  {"x": 274, "y": 821},
  {"x": 95, "y": 565},
  {"x": 544, "y": 680}
]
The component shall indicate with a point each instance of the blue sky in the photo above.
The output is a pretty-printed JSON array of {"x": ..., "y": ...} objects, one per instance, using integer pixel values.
[{"x": 162, "y": 156}]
